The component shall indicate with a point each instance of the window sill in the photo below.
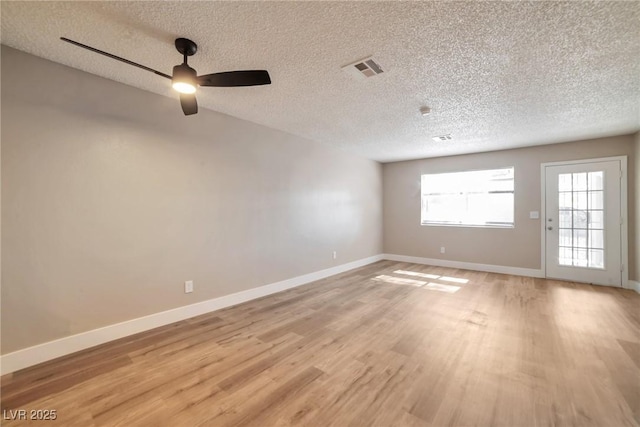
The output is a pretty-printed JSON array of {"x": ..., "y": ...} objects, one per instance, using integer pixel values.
[{"x": 468, "y": 226}]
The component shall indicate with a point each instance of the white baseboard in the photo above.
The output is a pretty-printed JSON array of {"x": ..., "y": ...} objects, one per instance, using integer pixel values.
[
  {"x": 30, "y": 356},
  {"x": 517, "y": 271},
  {"x": 632, "y": 284}
]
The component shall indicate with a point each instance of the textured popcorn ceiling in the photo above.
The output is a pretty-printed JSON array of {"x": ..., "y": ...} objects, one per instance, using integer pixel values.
[{"x": 496, "y": 75}]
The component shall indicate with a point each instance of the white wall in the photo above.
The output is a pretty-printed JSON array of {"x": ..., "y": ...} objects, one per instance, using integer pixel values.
[{"x": 112, "y": 199}]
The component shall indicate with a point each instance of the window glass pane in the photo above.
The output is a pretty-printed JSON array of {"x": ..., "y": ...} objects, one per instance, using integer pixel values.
[
  {"x": 580, "y": 181},
  {"x": 596, "y": 239},
  {"x": 444, "y": 208},
  {"x": 595, "y": 199},
  {"x": 579, "y": 219},
  {"x": 565, "y": 219},
  {"x": 596, "y": 219},
  {"x": 566, "y": 257},
  {"x": 580, "y": 257},
  {"x": 564, "y": 182},
  {"x": 580, "y": 200},
  {"x": 596, "y": 180},
  {"x": 596, "y": 258},
  {"x": 565, "y": 237},
  {"x": 491, "y": 208},
  {"x": 502, "y": 184},
  {"x": 476, "y": 198},
  {"x": 580, "y": 238},
  {"x": 565, "y": 200}
]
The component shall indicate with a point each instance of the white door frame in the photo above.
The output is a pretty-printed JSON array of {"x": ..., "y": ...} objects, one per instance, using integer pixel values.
[{"x": 624, "y": 238}]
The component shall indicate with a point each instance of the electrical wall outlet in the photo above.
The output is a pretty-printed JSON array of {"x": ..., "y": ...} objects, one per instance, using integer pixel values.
[
  {"x": 335, "y": 255},
  {"x": 188, "y": 286},
  {"x": 441, "y": 249}
]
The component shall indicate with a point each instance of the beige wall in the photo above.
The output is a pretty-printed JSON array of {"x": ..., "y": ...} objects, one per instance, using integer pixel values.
[
  {"x": 112, "y": 199},
  {"x": 517, "y": 247}
]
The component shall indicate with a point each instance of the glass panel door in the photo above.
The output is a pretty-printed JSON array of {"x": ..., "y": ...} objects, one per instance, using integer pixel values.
[{"x": 582, "y": 222}]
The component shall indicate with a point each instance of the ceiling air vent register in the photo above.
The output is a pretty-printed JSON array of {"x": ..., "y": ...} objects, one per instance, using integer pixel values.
[
  {"x": 364, "y": 68},
  {"x": 446, "y": 137}
]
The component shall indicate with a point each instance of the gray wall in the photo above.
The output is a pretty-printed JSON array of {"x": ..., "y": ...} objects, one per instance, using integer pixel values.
[
  {"x": 634, "y": 232},
  {"x": 112, "y": 199},
  {"x": 517, "y": 247}
]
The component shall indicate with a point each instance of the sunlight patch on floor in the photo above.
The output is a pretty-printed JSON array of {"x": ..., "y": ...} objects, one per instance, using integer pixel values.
[
  {"x": 399, "y": 281},
  {"x": 432, "y": 286},
  {"x": 453, "y": 279},
  {"x": 414, "y": 273},
  {"x": 450, "y": 289},
  {"x": 432, "y": 276}
]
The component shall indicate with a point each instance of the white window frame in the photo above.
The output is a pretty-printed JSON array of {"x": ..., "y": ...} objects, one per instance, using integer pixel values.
[{"x": 427, "y": 223}]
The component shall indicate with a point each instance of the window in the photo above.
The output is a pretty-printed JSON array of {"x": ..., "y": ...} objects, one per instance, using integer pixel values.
[
  {"x": 581, "y": 219},
  {"x": 475, "y": 198}
]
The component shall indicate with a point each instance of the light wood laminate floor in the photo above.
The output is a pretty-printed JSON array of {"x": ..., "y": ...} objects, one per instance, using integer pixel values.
[{"x": 390, "y": 344}]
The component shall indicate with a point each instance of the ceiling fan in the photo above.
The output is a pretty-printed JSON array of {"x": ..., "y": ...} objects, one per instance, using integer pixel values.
[{"x": 184, "y": 78}]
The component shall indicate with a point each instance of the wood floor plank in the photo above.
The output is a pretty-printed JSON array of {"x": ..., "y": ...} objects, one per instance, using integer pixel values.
[{"x": 389, "y": 344}]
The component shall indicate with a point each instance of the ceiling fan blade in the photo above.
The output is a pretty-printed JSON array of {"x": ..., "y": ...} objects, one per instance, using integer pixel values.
[
  {"x": 110, "y": 55},
  {"x": 235, "y": 78},
  {"x": 188, "y": 103}
]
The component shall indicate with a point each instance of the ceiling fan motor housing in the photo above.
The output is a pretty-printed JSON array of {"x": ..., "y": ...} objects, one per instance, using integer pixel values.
[{"x": 184, "y": 73}]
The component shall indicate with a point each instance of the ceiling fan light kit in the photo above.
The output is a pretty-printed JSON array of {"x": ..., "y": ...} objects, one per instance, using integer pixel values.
[{"x": 185, "y": 80}]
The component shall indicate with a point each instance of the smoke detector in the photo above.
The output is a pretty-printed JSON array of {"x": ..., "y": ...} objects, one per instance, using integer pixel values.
[
  {"x": 446, "y": 137},
  {"x": 363, "y": 69}
]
